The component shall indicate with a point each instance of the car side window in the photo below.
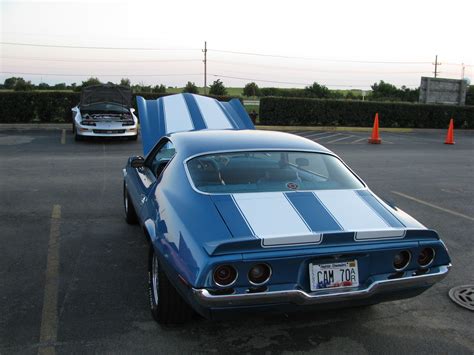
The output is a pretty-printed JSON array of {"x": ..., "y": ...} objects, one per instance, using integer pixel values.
[{"x": 158, "y": 163}]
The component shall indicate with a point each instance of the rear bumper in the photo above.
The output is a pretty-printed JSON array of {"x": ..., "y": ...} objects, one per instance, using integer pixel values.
[{"x": 299, "y": 297}]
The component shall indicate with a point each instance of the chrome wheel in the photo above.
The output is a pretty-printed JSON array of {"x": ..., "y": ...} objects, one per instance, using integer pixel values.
[{"x": 155, "y": 282}]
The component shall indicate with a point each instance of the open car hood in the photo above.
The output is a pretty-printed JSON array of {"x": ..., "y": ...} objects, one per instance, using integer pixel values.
[
  {"x": 188, "y": 112},
  {"x": 121, "y": 95}
]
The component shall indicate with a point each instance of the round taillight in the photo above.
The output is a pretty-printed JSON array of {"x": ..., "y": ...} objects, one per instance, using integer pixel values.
[
  {"x": 426, "y": 257},
  {"x": 401, "y": 260},
  {"x": 259, "y": 274},
  {"x": 225, "y": 275}
]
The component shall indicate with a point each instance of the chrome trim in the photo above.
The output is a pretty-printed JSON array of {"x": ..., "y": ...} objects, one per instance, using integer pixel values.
[
  {"x": 406, "y": 265},
  {"x": 264, "y": 282},
  {"x": 432, "y": 260},
  {"x": 300, "y": 297},
  {"x": 232, "y": 283}
]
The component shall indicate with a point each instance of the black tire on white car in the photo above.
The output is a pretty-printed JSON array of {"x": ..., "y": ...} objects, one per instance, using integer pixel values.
[
  {"x": 167, "y": 305},
  {"x": 130, "y": 213}
]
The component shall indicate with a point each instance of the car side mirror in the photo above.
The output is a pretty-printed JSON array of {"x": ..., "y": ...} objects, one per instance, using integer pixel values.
[
  {"x": 137, "y": 162},
  {"x": 302, "y": 162}
]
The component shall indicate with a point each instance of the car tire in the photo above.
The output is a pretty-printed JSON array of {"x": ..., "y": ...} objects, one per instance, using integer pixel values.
[
  {"x": 133, "y": 138},
  {"x": 130, "y": 213},
  {"x": 167, "y": 305}
]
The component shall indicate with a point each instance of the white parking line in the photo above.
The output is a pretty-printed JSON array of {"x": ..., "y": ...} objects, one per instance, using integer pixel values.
[
  {"x": 63, "y": 136},
  {"x": 314, "y": 134},
  {"x": 340, "y": 139},
  {"x": 332, "y": 135},
  {"x": 434, "y": 206},
  {"x": 49, "y": 316},
  {"x": 360, "y": 140}
]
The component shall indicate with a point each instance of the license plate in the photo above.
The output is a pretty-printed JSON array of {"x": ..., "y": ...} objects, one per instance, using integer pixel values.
[{"x": 334, "y": 275}]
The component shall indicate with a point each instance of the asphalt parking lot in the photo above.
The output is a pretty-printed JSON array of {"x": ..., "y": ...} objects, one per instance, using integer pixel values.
[{"x": 62, "y": 228}]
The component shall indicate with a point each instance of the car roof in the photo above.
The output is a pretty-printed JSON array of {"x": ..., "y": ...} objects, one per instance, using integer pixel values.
[{"x": 200, "y": 142}]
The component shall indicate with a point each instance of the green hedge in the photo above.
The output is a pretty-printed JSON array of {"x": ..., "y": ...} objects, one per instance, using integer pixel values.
[
  {"x": 47, "y": 107},
  {"x": 320, "y": 112}
]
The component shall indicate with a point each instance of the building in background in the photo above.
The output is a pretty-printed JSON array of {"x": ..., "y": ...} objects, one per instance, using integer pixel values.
[{"x": 443, "y": 91}]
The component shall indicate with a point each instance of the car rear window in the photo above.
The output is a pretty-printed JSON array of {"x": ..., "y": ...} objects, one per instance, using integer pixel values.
[{"x": 268, "y": 171}]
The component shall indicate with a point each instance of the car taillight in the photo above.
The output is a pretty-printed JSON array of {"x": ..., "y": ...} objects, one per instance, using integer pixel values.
[
  {"x": 401, "y": 260},
  {"x": 259, "y": 274},
  {"x": 225, "y": 275},
  {"x": 426, "y": 257}
]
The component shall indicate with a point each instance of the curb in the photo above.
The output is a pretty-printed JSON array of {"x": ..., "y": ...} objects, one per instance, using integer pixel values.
[
  {"x": 60, "y": 126},
  {"x": 40, "y": 126}
]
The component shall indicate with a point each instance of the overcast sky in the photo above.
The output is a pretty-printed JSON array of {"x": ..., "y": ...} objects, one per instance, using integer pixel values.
[{"x": 337, "y": 43}]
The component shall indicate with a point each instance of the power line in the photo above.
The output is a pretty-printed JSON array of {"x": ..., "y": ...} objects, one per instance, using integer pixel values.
[
  {"x": 89, "y": 75},
  {"x": 319, "y": 71},
  {"x": 316, "y": 59},
  {"x": 93, "y": 47},
  {"x": 103, "y": 61}
]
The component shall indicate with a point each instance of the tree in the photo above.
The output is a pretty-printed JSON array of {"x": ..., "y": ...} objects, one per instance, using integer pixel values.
[
  {"x": 144, "y": 88},
  {"x": 191, "y": 88},
  {"x": 387, "y": 92},
  {"x": 23, "y": 85},
  {"x": 43, "y": 86},
  {"x": 217, "y": 88},
  {"x": 251, "y": 89},
  {"x": 317, "y": 91},
  {"x": 125, "y": 82},
  {"x": 384, "y": 91},
  {"x": 60, "y": 86},
  {"x": 159, "y": 89},
  {"x": 91, "y": 81},
  {"x": 9, "y": 83}
]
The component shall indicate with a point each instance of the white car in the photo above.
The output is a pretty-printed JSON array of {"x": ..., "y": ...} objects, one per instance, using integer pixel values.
[{"x": 105, "y": 111}]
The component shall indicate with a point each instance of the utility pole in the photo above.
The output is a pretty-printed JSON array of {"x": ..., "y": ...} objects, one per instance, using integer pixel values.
[
  {"x": 205, "y": 67},
  {"x": 436, "y": 66},
  {"x": 462, "y": 72}
]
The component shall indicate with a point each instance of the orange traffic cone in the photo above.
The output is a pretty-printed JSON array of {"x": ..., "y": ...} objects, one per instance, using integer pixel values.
[
  {"x": 450, "y": 135},
  {"x": 375, "y": 138}
]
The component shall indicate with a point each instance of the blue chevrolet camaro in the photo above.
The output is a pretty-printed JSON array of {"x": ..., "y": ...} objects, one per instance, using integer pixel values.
[{"x": 243, "y": 220}]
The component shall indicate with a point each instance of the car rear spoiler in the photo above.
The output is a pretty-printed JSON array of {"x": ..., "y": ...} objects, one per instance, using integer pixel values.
[
  {"x": 253, "y": 244},
  {"x": 187, "y": 112}
]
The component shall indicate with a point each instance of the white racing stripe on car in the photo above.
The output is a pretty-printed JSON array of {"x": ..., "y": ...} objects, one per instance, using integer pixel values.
[
  {"x": 177, "y": 116},
  {"x": 212, "y": 113},
  {"x": 354, "y": 215},
  {"x": 274, "y": 219}
]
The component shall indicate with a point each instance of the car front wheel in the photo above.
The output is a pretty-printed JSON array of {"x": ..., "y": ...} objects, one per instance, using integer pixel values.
[{"x": 167, "y": 306}]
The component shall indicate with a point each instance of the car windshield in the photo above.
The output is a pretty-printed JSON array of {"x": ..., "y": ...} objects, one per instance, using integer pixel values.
[{"x": 267, "y": 171}]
